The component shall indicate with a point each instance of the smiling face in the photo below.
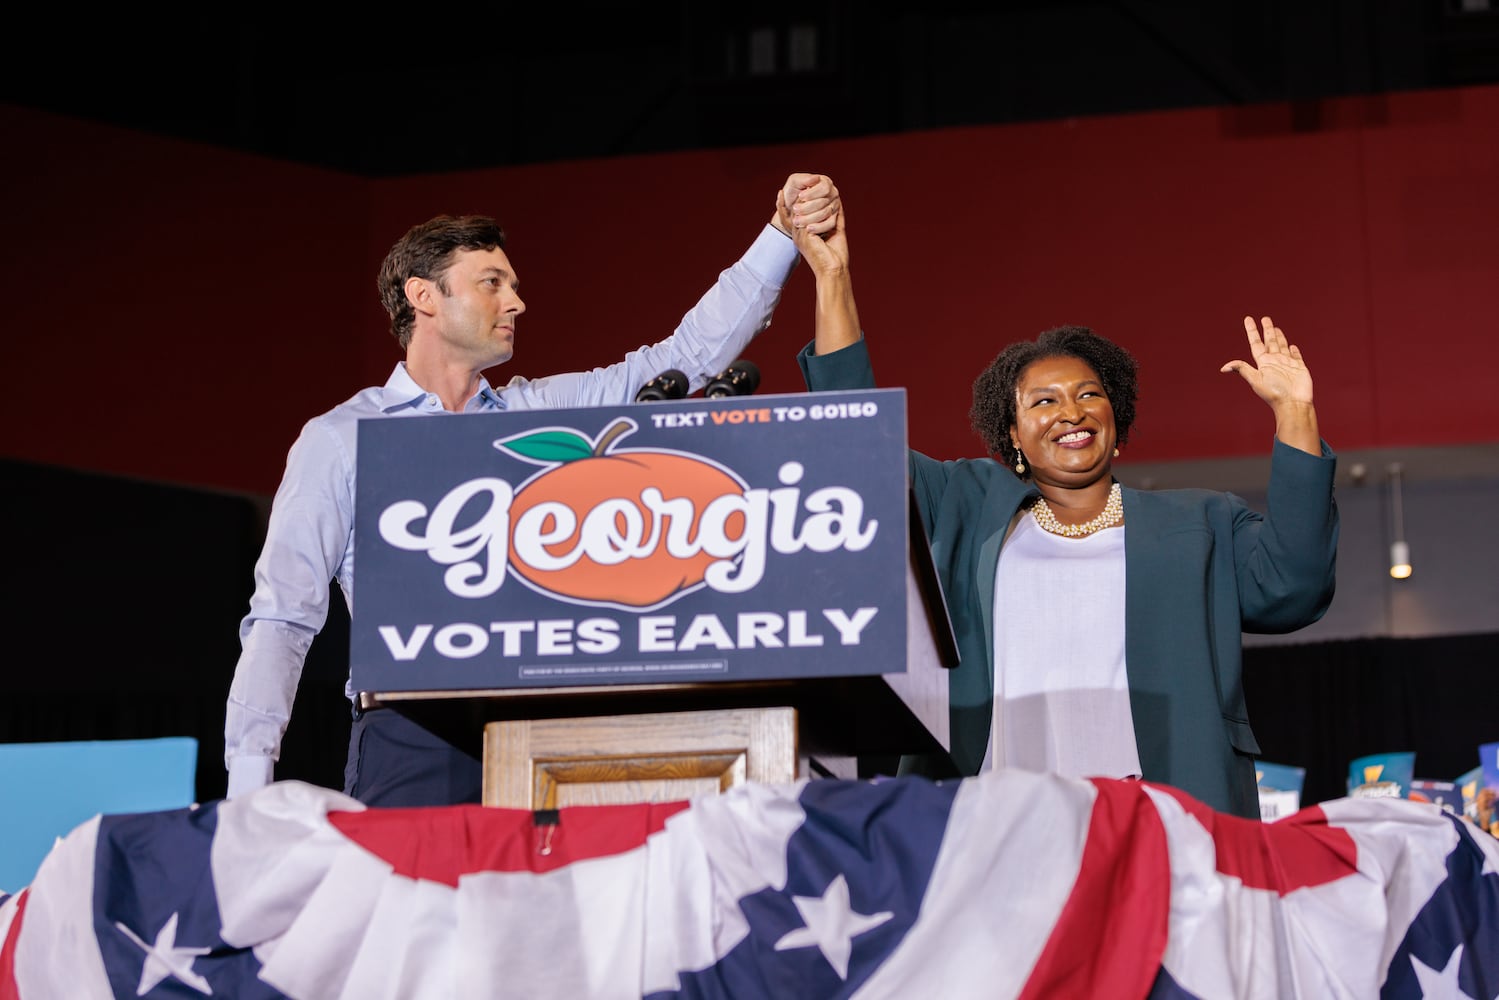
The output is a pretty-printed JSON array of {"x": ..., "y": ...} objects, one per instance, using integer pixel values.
[
  {"x": 474, "y": 307},
  {"x": 1064, "y": 422}
]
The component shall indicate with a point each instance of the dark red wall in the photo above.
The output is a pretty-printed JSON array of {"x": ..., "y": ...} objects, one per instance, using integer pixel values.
[
  {"x": 179, "y": 311},
  {"x": 175, "y": 311}
]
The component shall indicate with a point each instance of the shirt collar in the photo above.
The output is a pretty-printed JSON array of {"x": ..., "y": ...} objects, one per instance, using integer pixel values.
[
  {"x": 488, "y": 398},
  {"x": 401, "y": 392}
]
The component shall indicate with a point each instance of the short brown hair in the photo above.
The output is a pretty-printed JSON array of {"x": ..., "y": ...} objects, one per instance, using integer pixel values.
[{"x": 426, "y": 251}]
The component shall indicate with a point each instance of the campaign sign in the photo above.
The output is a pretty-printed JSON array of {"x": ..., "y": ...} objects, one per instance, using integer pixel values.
[{"x": 691, "y": 540}]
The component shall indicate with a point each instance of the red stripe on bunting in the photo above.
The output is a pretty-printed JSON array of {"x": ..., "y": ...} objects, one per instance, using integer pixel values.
[
  {"x": 8, "y": 988},
  {"x": 442, "y": 844},
  {"x": 1298, "y": 851},
  {"x": 1111, "y": 936}
]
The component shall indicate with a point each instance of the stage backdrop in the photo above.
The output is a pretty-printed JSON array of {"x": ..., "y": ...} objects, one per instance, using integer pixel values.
[{"x": 213, "y": 301}]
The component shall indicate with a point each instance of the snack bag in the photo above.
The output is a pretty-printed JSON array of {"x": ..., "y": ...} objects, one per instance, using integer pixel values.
[
  {"x": 1280, "y": 788},
  {"x": 1467, "y": 785},
  {"x": 1487, "y": 797},
  {"x": 1381, "y": 775},
  {"x": 1446, "y": 794}
]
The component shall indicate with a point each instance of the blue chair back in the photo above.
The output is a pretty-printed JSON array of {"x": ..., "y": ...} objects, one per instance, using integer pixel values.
[{"x": 47, "y": 789}]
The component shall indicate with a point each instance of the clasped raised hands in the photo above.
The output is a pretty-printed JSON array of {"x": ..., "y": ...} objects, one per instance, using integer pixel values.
[
  {"x": 809, "y": 210},
  {"x": 806, "y": 202}
]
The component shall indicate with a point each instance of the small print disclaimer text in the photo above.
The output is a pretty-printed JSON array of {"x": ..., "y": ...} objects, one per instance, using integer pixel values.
[{"x": 623, "y": 669}]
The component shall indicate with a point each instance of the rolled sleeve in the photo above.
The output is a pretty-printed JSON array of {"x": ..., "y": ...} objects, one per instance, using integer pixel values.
[{"x": 712, "y": 334}]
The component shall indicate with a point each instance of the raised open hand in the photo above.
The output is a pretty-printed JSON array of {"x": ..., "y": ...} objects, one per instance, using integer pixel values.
[
  {"x": 1278, "y": 375},
  {"x": 1281, "y": 379}
]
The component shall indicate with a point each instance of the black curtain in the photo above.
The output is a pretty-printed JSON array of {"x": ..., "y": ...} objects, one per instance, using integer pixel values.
[
  {"x": 1322, "y": 705},
  {"x": 123, "y": 615}
]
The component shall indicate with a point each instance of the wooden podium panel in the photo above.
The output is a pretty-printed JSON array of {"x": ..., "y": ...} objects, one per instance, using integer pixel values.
[{"x": 619, "y": 759}]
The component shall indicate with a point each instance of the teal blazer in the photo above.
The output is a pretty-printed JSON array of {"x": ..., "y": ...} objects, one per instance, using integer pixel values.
[{"x": 1201, "y": 567}]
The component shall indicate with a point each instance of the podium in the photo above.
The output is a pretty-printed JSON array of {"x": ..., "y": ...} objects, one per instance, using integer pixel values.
[
  {"x": 618, "y": 759},
  {"x": 745, "y": 693}
]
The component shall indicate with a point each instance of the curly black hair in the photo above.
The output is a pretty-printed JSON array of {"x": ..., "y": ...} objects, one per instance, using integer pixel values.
[{"x": 994, "y": 392}]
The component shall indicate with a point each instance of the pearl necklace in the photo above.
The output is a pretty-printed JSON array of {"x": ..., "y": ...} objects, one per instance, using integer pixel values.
[{"x": 1111, "y": 515}]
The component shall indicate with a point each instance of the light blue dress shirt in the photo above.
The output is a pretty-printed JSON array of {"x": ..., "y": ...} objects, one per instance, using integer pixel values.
[{"x": 310, "y": 537}]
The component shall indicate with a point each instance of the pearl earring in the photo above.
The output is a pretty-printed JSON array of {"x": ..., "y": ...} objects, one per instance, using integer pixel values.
[
  {"x": 1019, "y": 463},
  {"x": 1116, "y": 452}
]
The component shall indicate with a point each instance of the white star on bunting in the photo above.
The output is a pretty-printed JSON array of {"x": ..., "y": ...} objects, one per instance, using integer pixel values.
[
  {"x": 832, "y": 925},
  {"x": 1441, "y": 983},
  {"x": 165, "y": 958}
]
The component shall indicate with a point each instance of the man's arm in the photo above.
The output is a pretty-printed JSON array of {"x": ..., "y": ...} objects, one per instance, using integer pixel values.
[
  {"x": 717, "y": 329},
  {"x": 310, "y": 528}
]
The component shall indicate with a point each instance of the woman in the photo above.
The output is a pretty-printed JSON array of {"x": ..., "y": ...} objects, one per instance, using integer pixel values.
[{"x": 1099, "y": 626}]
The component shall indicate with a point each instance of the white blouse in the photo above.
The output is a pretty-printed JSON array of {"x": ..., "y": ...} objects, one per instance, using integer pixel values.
[{"x": 1061, "y": 696}]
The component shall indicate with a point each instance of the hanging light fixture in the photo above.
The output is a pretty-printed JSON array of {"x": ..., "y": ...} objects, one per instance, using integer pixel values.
[{"x": 1400, "y": 552}]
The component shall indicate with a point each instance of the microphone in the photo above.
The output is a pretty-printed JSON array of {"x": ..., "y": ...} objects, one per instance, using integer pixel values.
[
  {"x": 739, "y": 379},
  {"x": 670, "y": 384}
]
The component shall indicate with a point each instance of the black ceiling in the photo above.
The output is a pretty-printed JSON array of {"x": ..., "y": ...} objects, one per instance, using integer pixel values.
[{"x": 421, "y": 89}]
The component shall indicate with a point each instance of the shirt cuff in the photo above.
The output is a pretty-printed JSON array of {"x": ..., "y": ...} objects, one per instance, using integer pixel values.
[
  {"x": 246, "y": 774},
  {"x": 772, "y": 256}
]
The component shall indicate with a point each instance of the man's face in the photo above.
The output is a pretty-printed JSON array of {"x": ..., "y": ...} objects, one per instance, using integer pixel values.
[{"x": 476, "y": 305}]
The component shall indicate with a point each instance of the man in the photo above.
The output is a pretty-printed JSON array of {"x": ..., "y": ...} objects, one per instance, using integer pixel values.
[{"x": 451, "y": 293}]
